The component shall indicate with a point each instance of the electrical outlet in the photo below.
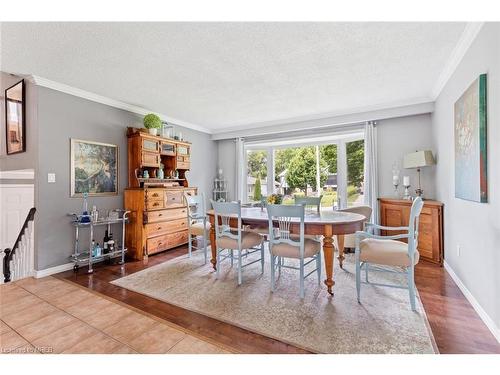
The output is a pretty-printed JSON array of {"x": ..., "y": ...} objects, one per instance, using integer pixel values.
[
  {"x": 51, "y": 178},
  {"x": 458, "y": 250}
]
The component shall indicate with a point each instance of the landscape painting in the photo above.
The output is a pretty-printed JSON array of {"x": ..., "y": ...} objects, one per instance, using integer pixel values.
[
  {"x": 94, "y": 168},
  {"x": 471, "y": 182}
]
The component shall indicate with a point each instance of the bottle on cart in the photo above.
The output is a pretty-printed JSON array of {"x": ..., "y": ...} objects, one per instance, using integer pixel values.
[
  {"x": 105, "y": 248},
  {"x": 111, "y": 243},
  {"x": 92, "y": 248},
  {"x": 98, "y": 250}
]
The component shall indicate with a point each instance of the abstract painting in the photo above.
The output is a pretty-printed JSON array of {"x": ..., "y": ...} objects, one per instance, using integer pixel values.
[
  {"x": 94, "y": 168},
  {"x": 471, "y": 182}
]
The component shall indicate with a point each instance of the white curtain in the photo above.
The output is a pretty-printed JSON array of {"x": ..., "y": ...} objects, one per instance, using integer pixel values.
[
  {"x": 371, "y": 175},
  {"x": 240, "y": 162}
]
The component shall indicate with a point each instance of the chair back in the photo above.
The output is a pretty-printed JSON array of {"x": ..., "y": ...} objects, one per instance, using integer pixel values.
[
  {"x": 263, "y": 201},
  {"x": 416, "y": 209},
  {"x": 285, "y": 215},
  {"x": 309, "y": 201},
  {"x": 366, "y": 211},
  {"x": 223, "y": 212},
  {"x": 196, "y": 208}
]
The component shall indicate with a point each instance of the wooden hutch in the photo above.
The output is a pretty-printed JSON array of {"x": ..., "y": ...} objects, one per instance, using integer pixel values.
[{"x": 158, "y": 220}]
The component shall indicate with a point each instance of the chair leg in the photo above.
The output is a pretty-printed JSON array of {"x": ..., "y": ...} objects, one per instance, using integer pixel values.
[
  {"x": 273, "y": 270},
  {"x": 302, "y": 278},
  {"x": 205, "y": 237},
  {"x": 239, "y": 267},
  {"x": 366, "y": 272},
  {"x": 318, "y": 267},
  {"x": 280, "y": 262},
  {"x": 190, "y": 246},
  {"x": 411, "y": 287},
  {"x": 358, "y": 277},
  {"x": 232, "y": 257},
  {"x": 262, "y": 256},
  {"x": 218, "y": 261}
]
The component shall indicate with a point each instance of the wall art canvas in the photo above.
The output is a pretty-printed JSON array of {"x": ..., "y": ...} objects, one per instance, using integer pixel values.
[
  {"x": 94, "y": 168},
  {"x": 15, "y": 130},
  {"x": 471, "y": 180}
]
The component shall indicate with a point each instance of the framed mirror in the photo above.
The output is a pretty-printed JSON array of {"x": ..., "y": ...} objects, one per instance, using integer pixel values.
[{"x": 15, "y": 129}]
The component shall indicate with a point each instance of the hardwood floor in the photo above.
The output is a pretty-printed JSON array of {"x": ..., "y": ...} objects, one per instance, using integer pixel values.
[{"x": 456, "y": 326}]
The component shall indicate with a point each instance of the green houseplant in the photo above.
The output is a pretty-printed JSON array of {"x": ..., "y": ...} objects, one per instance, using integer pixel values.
[{"x": 152, "y": 122}]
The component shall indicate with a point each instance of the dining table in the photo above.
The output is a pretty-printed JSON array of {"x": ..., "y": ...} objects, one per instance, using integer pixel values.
[{"x": 326, "y": 224}]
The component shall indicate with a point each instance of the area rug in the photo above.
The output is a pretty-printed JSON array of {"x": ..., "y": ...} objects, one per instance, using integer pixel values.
[{"x": 382, "y": 323}]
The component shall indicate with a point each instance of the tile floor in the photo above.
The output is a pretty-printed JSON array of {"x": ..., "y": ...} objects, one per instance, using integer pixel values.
[{"x": 49, "y": 315}]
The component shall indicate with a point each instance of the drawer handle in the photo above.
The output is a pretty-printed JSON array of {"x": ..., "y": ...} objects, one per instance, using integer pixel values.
[
  {"x": 160, "y": 214},
  {"x": 159, "y": 228},
  {"x": 155, "y": 194},
  {"x": 155, "y": 204}
]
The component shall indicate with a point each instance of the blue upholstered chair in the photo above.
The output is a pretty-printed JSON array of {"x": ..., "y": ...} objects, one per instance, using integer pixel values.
[
  {"x": 198, "y": 224},
  {"x": 387, "y": 251},
  {"x": 234, "y": 239},
  {"x": 284, "y": 245}
]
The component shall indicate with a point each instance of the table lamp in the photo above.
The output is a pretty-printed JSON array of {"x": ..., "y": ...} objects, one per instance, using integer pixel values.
[{"x": 418, "y": 160}]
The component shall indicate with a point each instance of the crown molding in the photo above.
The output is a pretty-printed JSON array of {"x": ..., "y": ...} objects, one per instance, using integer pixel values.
[
  {"x": 53, "y": 85},
  {"x": 468, "y": 36},
  {"x": 327, "y": 120}
]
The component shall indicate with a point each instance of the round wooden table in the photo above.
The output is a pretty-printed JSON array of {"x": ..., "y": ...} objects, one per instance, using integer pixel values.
[{"x": 327, "y": 223}]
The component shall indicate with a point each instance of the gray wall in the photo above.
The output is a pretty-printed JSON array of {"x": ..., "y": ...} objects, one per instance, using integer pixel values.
[
  {"x": 61, "y": 117},
  {"x": 25, "y": 160},
  {"x": 396, "y": 137},
  {"x": 473, "y": 226}
]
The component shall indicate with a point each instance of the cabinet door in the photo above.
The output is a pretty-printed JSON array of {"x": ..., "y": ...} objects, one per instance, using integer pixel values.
[
  {"x": 150, "y": 145},
  {"x": 174, "y": 199},
  {"x": 150, "y": 159},
  {"x": 182, "y": 150}
]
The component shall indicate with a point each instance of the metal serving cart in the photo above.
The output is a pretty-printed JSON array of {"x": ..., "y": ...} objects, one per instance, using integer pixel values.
[{"x": 86, "y": 257}]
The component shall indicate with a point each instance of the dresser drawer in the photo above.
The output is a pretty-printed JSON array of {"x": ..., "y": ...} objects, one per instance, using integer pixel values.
[
  {"x": 174, "y": 199},
  {"x": 164, "y": 227},
  {"x": 155, "y": 194},
  {"x": 183, "y": 165},
  {"x": 165, "y": 215},
  {"x": 154, "y": 205},
  {"x": 157, "y": 244},
  {"x": 177, "y": 239}
]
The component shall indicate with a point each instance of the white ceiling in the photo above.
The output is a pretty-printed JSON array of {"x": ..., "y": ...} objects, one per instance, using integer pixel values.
[{"x": 237, "y": 75}]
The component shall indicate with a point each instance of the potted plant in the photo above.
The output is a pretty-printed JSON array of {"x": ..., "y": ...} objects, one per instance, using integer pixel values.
[{"x": 152, "y": 122}]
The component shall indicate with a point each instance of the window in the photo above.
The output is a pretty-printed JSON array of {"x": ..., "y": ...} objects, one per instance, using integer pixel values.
[
  {"x": 256, "y": 180},
  {"x": 330, "y": 166}
]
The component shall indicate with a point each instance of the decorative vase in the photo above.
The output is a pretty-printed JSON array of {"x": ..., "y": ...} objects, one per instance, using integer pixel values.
[
  {"x": 153, "y": 131},
  {"x": 161, "y": 174}
]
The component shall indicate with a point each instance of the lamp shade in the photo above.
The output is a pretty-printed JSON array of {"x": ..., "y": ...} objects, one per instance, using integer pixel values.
[{"x": 419, "y": 159}]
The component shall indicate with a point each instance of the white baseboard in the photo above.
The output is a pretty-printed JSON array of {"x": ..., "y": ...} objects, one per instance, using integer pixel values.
[
  {"x": 53, "y": 270},
  {"x": 475, "y": 304}
]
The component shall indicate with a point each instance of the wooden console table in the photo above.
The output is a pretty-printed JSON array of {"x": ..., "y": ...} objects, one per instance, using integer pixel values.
[{"x": 396, "y": 212}]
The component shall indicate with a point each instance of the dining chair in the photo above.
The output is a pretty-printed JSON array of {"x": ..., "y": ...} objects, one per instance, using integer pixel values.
[
  {"x": 309, "y": 201},
  {"x": 231, "y": 239},
  {"x": 198, "y": 224},
  {"x": 387, "y": 251},
  {"x": 366, "y": 211},
  {"x": 282, "y": 244}
]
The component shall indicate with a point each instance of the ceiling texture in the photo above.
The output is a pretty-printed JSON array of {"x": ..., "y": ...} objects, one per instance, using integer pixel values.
[{"x": 222, "y": 76}]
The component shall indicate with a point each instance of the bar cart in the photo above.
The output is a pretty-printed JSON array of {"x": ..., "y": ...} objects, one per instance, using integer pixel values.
[{"x": 116, "y": 216}]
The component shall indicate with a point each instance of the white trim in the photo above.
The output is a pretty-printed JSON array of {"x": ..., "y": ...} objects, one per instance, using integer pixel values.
[
  {"x": 53, "y": 270},
  {"x": 469, "y": 34},
  {"x": 354, "y": 116},
  {"x": 475, "y": 304},
  {"x": 20, "y": 174},
  {"x": 44, "y": 82},
  {"x": 16, "y": 185}
]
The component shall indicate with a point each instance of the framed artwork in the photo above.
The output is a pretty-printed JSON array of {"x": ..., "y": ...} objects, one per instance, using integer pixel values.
[
  {"x": 15, "y": 129},
  {"x": 471, "y": 180},
  {"x": 94, "y": 168}
]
